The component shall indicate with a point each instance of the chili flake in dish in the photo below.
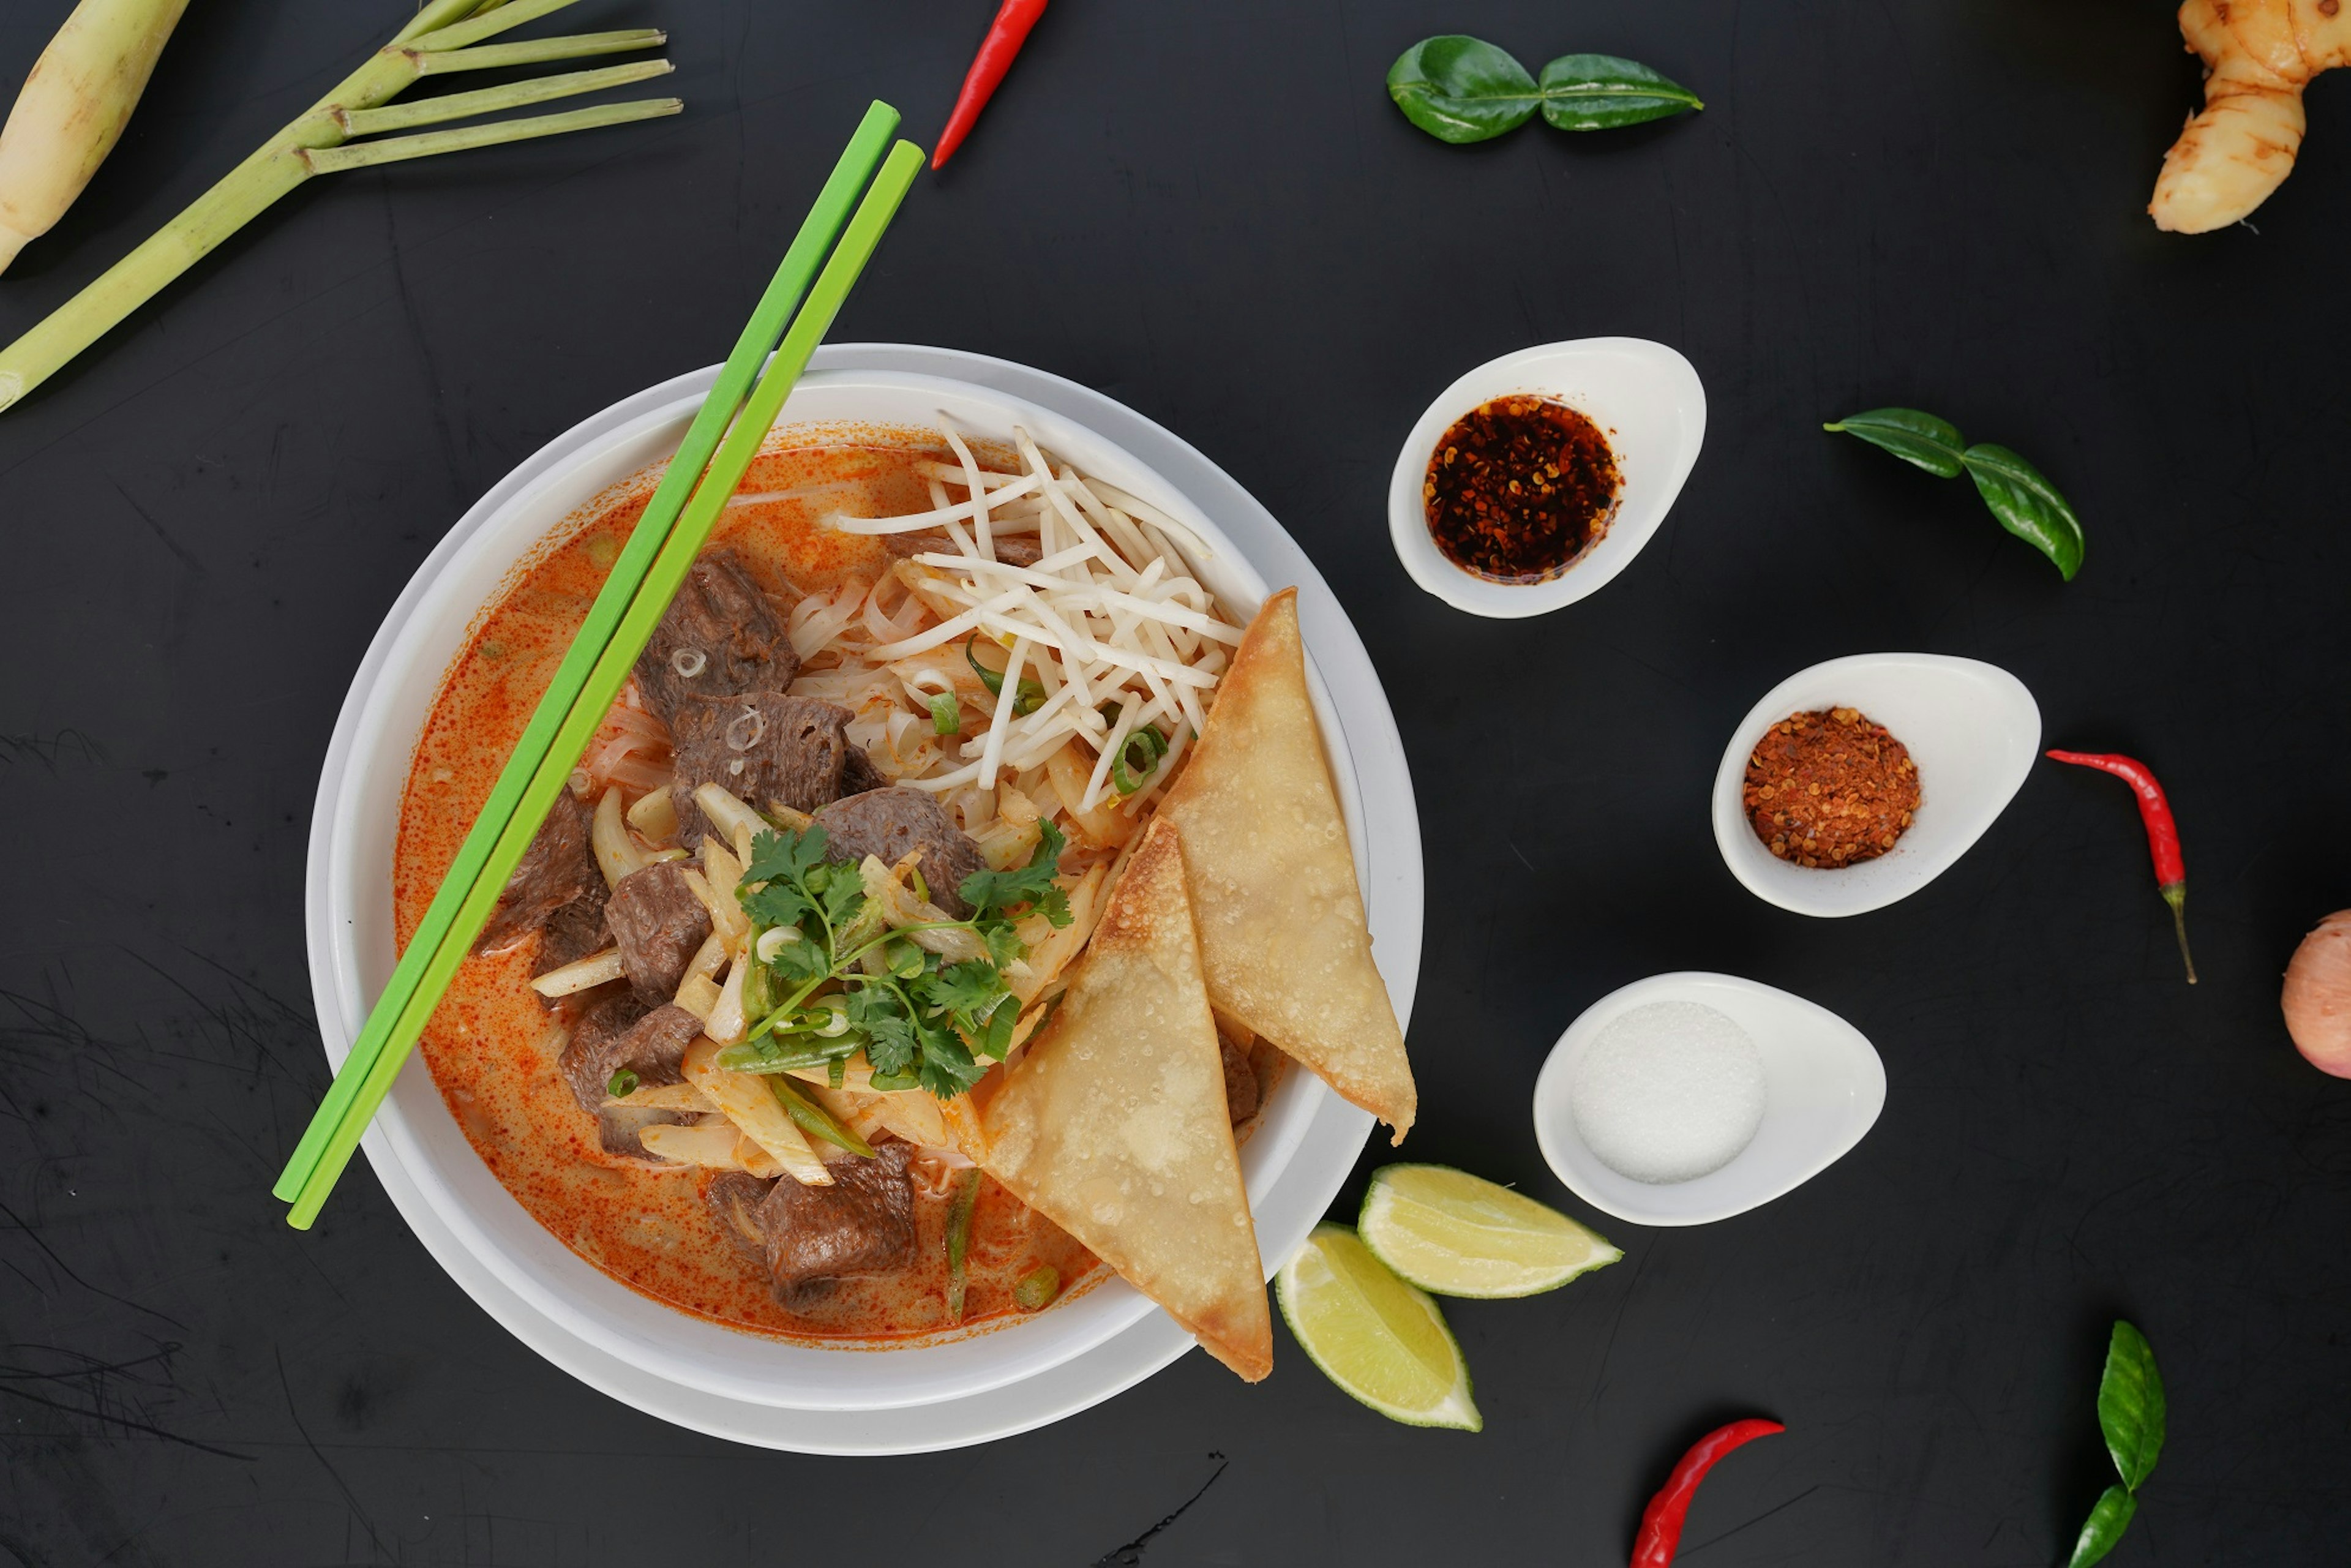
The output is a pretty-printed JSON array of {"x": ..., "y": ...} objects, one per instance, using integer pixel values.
[
  {"x": 1829, "y": 789},
  {"x": 1519, "y": 488}
]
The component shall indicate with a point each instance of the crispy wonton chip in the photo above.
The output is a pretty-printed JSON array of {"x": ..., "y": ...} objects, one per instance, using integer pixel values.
[
  {"x": 1282, "y": 933},
  {"x": 1115, "y": 1127}
]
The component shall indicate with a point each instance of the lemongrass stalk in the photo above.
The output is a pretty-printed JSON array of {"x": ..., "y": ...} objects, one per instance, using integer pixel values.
[
  {"x": 538, "y": 51},
  {"x": 287, "y": 161},
  {"x": 397, "y": 149},
  {"x": 491, "y": 100},
  {"x": 483, "y": 24},
  {"x": 72, "y": 110}
]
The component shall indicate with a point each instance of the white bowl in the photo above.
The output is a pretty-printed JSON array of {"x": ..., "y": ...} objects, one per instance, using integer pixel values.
[
  {"x": 351, "y": 946},
  {"x": 1644, "y": 396},
  {"x": 1822, "y": 1088},
  {"x": 1972, "y": 730}
]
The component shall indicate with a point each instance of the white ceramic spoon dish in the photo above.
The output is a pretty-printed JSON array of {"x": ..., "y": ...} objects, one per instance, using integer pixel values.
[
  {"x": 1823, "y": 1087},
  {"x": 1972, "y": 730},
  {"x": 1645, "y": 397}
]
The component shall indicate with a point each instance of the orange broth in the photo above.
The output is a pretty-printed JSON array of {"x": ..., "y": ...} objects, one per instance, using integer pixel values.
[{"x": 492, "y": 1049}]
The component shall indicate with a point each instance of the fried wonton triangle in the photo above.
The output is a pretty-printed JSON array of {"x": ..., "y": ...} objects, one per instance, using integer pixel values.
[
  {"x": 1113, "y": 1124},
  {"x": 1280, "y": 917}
]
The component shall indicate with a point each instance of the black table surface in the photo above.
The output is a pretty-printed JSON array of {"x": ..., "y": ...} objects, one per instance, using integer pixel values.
[{"x": 1211, "y": 211}]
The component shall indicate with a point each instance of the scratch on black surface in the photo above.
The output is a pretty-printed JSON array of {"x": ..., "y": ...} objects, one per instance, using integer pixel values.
[
  {"x": 350, "y": 1497},
  {"x": 1131, "y": 1554},
  {"x": 1615, "y": 1325},
  {"x": 92, "y": 1375},
  {"x": 47, "y": 749},
  {"x": 1693, "y": 1551},
  {"x": 187, "y": 556},
  {"x": 239, "y": 1017},
  {"x": 33, "y": 1234}
]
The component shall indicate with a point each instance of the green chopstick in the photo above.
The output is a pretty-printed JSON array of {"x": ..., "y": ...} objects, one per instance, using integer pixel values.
[{"x": 636, "y": 594}]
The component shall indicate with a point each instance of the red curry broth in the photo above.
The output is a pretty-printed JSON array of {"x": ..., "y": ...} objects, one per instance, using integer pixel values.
[{"x": 491, "y": 1047}]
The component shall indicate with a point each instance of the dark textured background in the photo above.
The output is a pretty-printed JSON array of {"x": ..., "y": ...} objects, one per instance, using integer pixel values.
[{"x": 1210, "y": 210}]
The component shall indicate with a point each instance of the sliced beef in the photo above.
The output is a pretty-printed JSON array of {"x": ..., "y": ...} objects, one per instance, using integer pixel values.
[
  {"x": 735, "y": 1197},
  {"x": 719, "y": 637},
  {"x": 659, "y": 926},
  {"x": 621, "y": 1032},
  {"x": 857, "y": 773},
  {"x": 863, "y": 1224},
  {"x": 573, "y": 932},
  {"x": 1240, "y": 1081},
  {"x": 557, "y": 870},
  {"x": 888, "y": 823},
  {"x": 765, "y": 748},
  {"x": 621, "y": 1130}
]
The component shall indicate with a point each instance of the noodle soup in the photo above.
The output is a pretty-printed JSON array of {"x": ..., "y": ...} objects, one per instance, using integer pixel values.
[{"x": 861, "y": 614}]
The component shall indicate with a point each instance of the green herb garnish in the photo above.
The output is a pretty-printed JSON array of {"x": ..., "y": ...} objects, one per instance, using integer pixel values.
[
  {"x": 1026, "y": 701},
  {"x": 623, "y": 1084},
  {"x": 921, "y": 1020},
  {"x": 946, "y": 714},
  {"x": 2026, "y": 504}
]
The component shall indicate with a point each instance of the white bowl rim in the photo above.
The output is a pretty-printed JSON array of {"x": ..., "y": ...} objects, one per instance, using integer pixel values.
[
  {"x": 1934, "y": 843},
  {"x": 337, "y": 994},
  {"x": 1579, "y": 372},
  {"x": 1720, "y": 1193}
]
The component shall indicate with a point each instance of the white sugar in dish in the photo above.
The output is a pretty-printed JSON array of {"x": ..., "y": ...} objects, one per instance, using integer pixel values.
[{"x": 1668, "y": 1092}]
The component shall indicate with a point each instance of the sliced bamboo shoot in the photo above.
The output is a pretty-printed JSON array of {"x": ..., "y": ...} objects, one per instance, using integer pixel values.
[
  {"x": 751, "y": 1105},
  {"x": 596, "y": 970}
]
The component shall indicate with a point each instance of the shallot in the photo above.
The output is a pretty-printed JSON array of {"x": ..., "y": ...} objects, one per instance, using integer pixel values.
[{"x": 2318, "y": 998}]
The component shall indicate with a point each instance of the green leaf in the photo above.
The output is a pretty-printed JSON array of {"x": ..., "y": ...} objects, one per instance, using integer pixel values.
[
  {"x": 2027, "y": 505},
  {"x": 1600, "y": 92},
  {"x": 989, "y": 891},
  {"x": 1932, "y": 443},
  {"x": 2130, "y": 1406},
  {"x": 1460, "y": 89},
  {"x": 969, "y": 987},
  {"x": 2105, "y": 1527}
]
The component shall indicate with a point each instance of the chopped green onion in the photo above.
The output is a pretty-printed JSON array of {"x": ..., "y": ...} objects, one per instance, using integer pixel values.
[
  {"x": 1127, "y": 774},
  {"x": 966, "y": 1198},
  {"x": 623, "y": 1084},
  {"x": 901, "y": 958},
  {"x": 836, "y": 1071},
  {"x": 815, "y": 1120},
  {"x": 946, "y": 714},
  {"x": 1037, "y": 1288},
  {"x": 1028, "y": 700}
]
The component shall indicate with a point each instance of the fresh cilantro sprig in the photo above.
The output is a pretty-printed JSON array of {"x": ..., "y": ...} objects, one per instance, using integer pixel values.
[{"x": 921, "y": 1020}]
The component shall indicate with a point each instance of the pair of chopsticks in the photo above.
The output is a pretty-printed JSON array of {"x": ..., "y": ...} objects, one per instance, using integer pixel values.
[{"x": 734, "y": 419}]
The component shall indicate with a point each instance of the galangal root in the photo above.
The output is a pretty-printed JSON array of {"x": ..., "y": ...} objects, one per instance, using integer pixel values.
[{"x": 2258, "y": 56}]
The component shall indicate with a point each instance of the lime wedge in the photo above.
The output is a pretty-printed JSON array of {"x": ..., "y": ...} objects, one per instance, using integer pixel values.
[
  {"x": 1448, "y": 1231},
  {"x": 1374, "y": 1335}
]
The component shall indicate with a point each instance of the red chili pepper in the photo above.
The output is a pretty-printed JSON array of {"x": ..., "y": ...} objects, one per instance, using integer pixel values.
[
  {"x": 1661, "y": 1521},
  {"x": 1005, "y": 36},
  {"x": 2162, "y": 833}
]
